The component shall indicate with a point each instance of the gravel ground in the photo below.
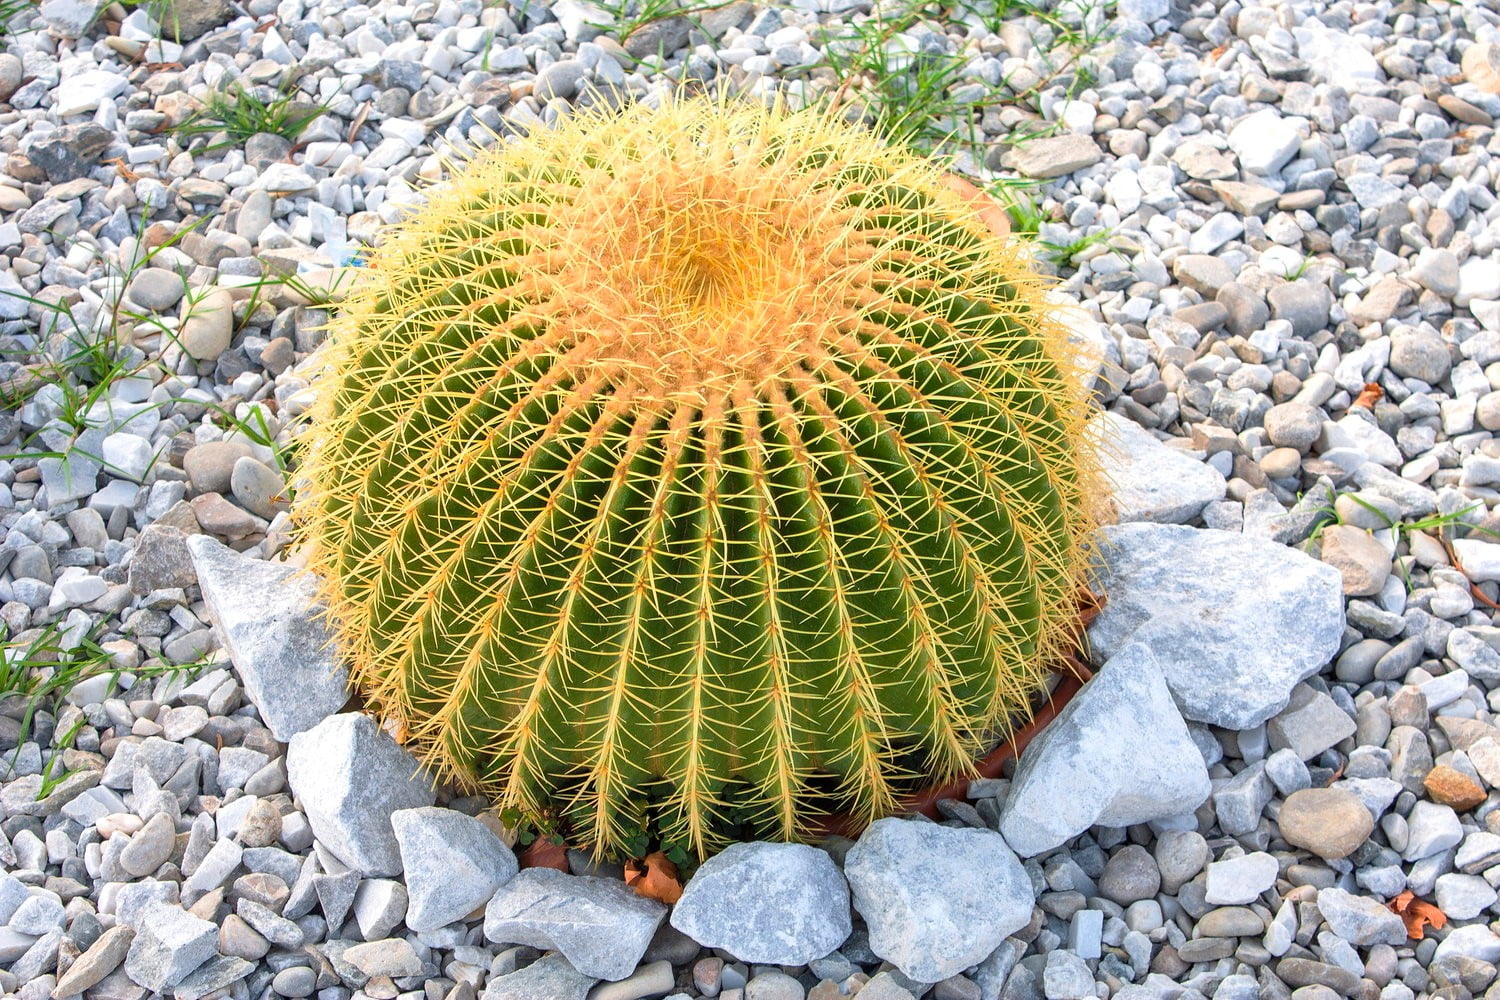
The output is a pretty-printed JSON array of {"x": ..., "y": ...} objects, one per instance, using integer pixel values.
[{"x": 1282, "y": 231}]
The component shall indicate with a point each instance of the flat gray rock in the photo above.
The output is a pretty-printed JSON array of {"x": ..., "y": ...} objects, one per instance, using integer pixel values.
[
  {"x": 1235, "y": 622},
  {"x": 1141, "y": 763},
  {"x": 548, "y": 978},
  {"x": 599, "y": 924},
  {"x": 937, "y": 899},
  {"x": 169, "y": 944},
  {"x": 265, "y": 617},
  {"x": 350, "y": 777},
  {"x": 1360, "y": 920},
  {"x": 453, "y": 864},
  {"x": 768, "y": 904},
  {"x": 1150, "y": 481}
]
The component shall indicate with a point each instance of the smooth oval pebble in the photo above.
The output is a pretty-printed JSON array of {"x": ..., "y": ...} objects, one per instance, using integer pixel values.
[{"x": 1330, "y": 822}]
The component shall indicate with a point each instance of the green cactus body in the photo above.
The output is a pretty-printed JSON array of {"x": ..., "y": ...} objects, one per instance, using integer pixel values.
[{"x": 714, "y": 452}]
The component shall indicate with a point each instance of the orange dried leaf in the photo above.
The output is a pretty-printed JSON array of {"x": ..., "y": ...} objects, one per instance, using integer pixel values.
[
  {"x": 1368, "y": 396},
  {"x": 1416, "y": 914},
  {"x": 544, "y": 852},
  {"x": 655, "y": 878}
]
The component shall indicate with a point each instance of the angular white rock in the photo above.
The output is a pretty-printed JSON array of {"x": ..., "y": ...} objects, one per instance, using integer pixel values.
[
  {"x": 768, "y": 904},
  {"x": 1142, "y": 763},
  {"x": 600, "y": 925},
  {"x": 452, "y": 863},
  {"x": 937, "y": 899},
  {"x": 1150, "y": 481},
  {"x": 280, "y": 648},
  {"x": 350, "y": 777},
  {"x": 1235, "y": 622}
]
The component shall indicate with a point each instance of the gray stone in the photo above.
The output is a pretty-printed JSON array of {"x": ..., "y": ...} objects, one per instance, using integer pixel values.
[
  {"x": 1143, "y": 765},
  {"x": 150, "y": 847},
  {"x": 134, "y": 897},
  {"x": 69, "y": 18},
  {"x": 769, "y": 904},
  {"x": 1436, "y": 269},
  {"x": 1431, "y": 829},
  {"x": 1180, "y": 855},
  {"x": 37, "y": 914},
  {"x": 1362, "y": 562},
  {"x": 1055, "y": 156},
  {"x": 1287, "y": 772},
  {"x": 1238, "y": 802},
  {"x": 1310, "y": 724},
  {"x": 156, "y": 289},
  {"x": 218, "y": 973},
  {"x": 1236, "y": 881},
  {"x": 1130, "y": 875},
  {"x": 70, "y": 152},
  {"x": 184, "y": 20},
  {"x": 1293, "y": 425},
  {"x": 210, "y": 465},
  {"x": 259, "y": 487},
  {"x": 452, "y": 864},
  {"x": 169, "y": 944},
  {"x": 1473, "y": 654},
  {"x": 280, "y": 648},
  {"x": 1360, "y": 920},
  {"x": 1420, "y": 355},
  {"x": 392, "y": 957},
  {"x": 1303, "y": 304},
  {"x": 1066, "y": 977},
  {"x": 335, "y": 895},
  {"x": 1150, "y": 481},
  {"x": 350, "y": 777},
  {"x": 548, "y": 978},
  {"x": 769, "y": 985},
  {"x": 207, "y": 324},
  {"x": 379, "y": 905},
  {"x": 560, "y": 79},
  {"x": 74, "y": 475},
  {"x": 937, "y": 899},
  {"x": 599, "y": 924},
  {"x": 296, "y": 982},
  {"x": 1235, "y": 622},
  {"x": 1464, "y": 897},
  {"x": 1264, "y": 141},
  {"x": 217, "y": 865}
]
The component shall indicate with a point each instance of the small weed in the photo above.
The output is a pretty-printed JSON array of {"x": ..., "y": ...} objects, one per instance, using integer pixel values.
[
  {"x": 1064, "y": 254},
  {"x": 38, "y": 673},
  {"x": 241, "y": 113},
  {"x": 12, "y": 9},
  {"x": 53, "y": 773}
]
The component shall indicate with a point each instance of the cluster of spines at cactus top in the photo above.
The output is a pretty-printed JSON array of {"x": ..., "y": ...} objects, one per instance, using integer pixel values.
[{"x": 713, "y": 459}]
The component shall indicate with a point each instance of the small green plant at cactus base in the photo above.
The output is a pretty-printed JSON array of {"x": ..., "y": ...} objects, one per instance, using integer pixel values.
[{"x": 714, "y": 461}]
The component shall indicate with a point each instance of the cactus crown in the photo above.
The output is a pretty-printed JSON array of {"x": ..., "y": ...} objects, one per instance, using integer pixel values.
[{"x": 714, "y": 453}]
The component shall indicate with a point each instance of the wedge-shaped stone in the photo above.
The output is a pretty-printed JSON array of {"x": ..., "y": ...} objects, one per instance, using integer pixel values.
[
  {"x": 1148, "y": 480},
  {"x": 350, "y": 777},
  {"x": 1117, "y": 755},
  {"x": 268, "y": 624},
  {"x": 599, "y": 924},
  {"x": 453, "y": 864}
]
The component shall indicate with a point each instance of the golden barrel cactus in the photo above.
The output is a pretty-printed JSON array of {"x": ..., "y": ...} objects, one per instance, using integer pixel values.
[{"x": 715, "y": 459}]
